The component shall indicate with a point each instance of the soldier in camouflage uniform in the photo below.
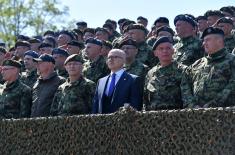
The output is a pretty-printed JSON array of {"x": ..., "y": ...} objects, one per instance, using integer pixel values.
[
  {"x": 210, "y": 81},
  {"x": 162, "y": 85},
  {"x": 95, "y": 67},
  {"x": 60, "y": 56},
  {"x": 132, "y": 65},
  {"x": 75, "y": 95},
  {"x": 226, "y": 24},
  {"x": 138, "y": 33},
  {"x": 15, "y": 97},
  {"x": 2, "y": 58},
  {"x": 29, "y": 77},
  {"x": 189, "y": 48}
]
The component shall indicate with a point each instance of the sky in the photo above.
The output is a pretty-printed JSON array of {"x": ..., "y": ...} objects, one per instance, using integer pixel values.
[{"x": 96, "y": 12}]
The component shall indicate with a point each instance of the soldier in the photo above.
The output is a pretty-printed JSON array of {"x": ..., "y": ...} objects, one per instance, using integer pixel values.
[
  {"x": 138, "y": 33},
  {"x": 75, "y": 47},
  {"x": 95, "y": 67},
  {"x": 106, "y": 47},
  {"x": 2, "y": 58},
  {"x": 15, "y": 97},
  {"x": 64, "y": 38},
  {"x": 226, "y": 24},
  {"x": 45, "y": 48},
  {"x": 81, "y": 25},
  {"x": 114, "y": 25},
  {"x": 88, "y": 33},
  {"x": 102, "y": 34},
  {"x": 29, "y": 77},
  {"x": 60, "y": 56},
  {"x": 212, "y": 16},
  {"x": 34, "y": 44},
  {"x": 162, "y": 86},
  {"x": 143, "y": 21},
  {"x": 202, "y": 24},
  {"x": 132, "y": 65},
  {"x": 189, "y": 48},
  {"x": 209, "y": 82},
  {"x": 75, "y": 95},
  {"x": 20, "y": 48},
  {"x": 45, "y": 87}
]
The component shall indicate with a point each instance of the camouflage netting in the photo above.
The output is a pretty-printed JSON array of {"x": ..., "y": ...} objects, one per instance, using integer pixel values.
[{"x": 210, "y": 131}]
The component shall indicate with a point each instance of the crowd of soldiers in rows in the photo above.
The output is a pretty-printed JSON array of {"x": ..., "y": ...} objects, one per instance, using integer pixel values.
[{"x": 57, "y": 73}]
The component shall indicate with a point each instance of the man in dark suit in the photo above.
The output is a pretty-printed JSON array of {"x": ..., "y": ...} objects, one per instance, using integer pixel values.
[{"x": 118, "y": 88}]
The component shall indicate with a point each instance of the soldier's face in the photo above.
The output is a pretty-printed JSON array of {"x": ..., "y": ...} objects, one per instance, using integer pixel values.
[
  {"x": 63, "y": 39},
  {"x": 59, "y": 60},
  {"x": 92, "y": 50},
  {"x": 88, "y": 35},
  {"x": 130, "y": 51},
  {"x": 102, "y": 35},
  {"x": 184, "y": 29},
  {"x": 164, "y": 52},
  {"x": 137, "y": 35},
  {"x": 20, "y": 50},
  {"x": 115, "y": 60},
  {"x": 211, "y": 20},
  {"x": 227, "y": 28},
  {"x": 202, "y": 25},
  {"x": 45, "y": 50},
  {"x": 165, "y": 33},
  {"x": 73, "y": 49},
  {"x": 8, "y": 72},
  {"x": 212, "y": 43},
  {"x": 29, "y": 63},
  {"x": 44, "y": 67},
  {"x": 105, "y": 50},
  {"x": 74, "y": 68}
]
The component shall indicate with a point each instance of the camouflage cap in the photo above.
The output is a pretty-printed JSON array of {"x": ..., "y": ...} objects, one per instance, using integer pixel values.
[
  {"x": 160, "y": 40},
  {"x": 74, "y": 57},
  {"x": 212, "y": 30},
  {"x": 13, "y": 63}
]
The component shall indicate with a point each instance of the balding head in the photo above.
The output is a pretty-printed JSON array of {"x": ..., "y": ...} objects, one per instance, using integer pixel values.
[{"x": 116, "y": 59}]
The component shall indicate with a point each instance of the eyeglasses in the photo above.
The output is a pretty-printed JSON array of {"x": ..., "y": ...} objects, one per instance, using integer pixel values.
[{"x": 114, "y": 57}]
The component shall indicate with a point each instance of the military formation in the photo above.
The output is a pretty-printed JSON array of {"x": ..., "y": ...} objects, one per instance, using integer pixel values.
[{"x": 98, "y": 70}]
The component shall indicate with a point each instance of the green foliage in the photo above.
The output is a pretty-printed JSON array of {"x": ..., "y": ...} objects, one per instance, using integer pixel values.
[{"x": 29, "y": 16}]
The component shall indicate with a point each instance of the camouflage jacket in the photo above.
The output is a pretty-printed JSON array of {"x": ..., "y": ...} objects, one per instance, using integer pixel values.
[
  {"x": 15, "y": 100},
  {"x": 229, "y": 43},
  {"x": 63, "y": 73},
  {"x": 162, "y": 87},
  {"x": 210, "y": 81},
  {"x": 188, "y": 50},
  {"x": 73, "y": 98},
  {"x": 150, "y": 41},
  {"x": 29, "y": 78},
  {"x": 137, "y": 68},
  {"x": 95, "y": 70}
]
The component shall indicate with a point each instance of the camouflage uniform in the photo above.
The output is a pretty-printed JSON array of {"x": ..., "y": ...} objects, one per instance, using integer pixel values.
[
  {"x": 145, "y": 55},
  {"x": 137, "y": 68},
  {"x": 95, "y": 70},
  {"x": 15, "y": 100},
  {"x": 63, "y": 73},
  {"x": 73, "y": 98},
  {"x": 229, "y": 43},
  {"x": 150, "y": 41},
  {"x": 117, "y": 41},
  {"x": 162, "y": 87},
  {"x": 29, "y": 78},
  {"x": 210, "y": 81},
  {"x": 188, "y": 50}
]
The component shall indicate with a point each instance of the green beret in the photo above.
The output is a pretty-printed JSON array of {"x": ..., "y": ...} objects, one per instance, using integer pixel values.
[
  {"x": 13, "y": 63},
  {"x": 3, "y": 50},
  {"x": 137, "y": 26},
  {"x": 74, "y": 57}
]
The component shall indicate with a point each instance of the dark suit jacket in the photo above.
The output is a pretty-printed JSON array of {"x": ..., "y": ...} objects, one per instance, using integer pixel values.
[{"x": 128, "y": 90}]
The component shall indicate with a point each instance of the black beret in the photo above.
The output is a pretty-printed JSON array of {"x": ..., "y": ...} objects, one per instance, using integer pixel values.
[
  {"x": 22, "y": 43},
  {"x": 76, "y": 43},
  {"x": 34, "y": 40},
  {"x": 13, "y": 63},
  {"x": 51, "y": 40},
  {"x": 78, "y": 31},
  {"x": 213, "y": 13},
  {"x": 32, "y": 54},
  {"x": 122, "y": 20},
  {"x": 128, "y": 42},
  {"x": 107, "y": 43},
  {"x": 90, "y": 30},
  {"x": 45, "y": 58},
  {"x": 225, "y": 20},
  {"x": 185, "y": 18},
  {"x": 44, "y": 45},
  {"x": 201, "y": 18},
  {"x": 161, "y": 20},
  {"x": 108, "y": 26},
  {"x": 94, "y": 41},
  {"x": 60, "y": 51},
  {"x": 68, "y": 33},
  {"x": 165, "y": 28},
  {"x": 142, "y": 18},
  {"x": 137, "y": 26},
  {"x": 227, "y": 9},
  {"x": 111, "y": 21},
  {"x": 49, "y": 32},
  {"x": 160, "y": 40},
  {"x": 74, "y": 57},
  {"x": 127, "y": 23},
  {"x": 212, "y": 30},
  {"x": 81, "y": 23},
  {"x": 22, "y": 37},
  {"x": 3, "y": 50},
  {"x": 101, "y": 29}
]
